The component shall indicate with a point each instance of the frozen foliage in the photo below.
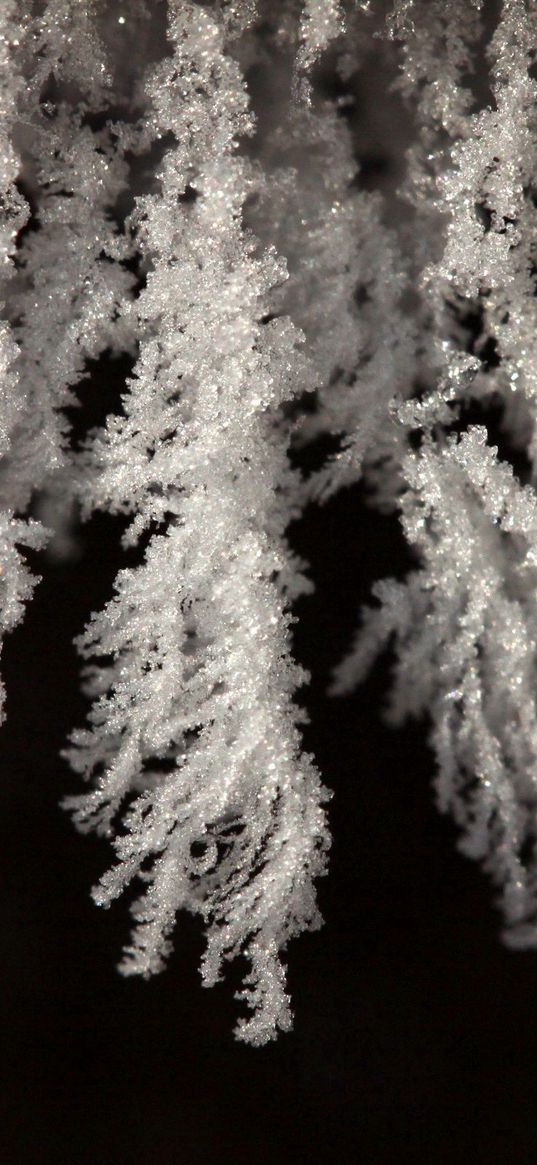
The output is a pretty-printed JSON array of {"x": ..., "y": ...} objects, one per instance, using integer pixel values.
[
  {"x": 466, "y": 654},
  {"x": 345, "y": 286},
  {"x": 321, "y": 21},
  {"x": 462, "y": 625},
  {"x": 16, "y": 583},
  {"x": 63, "y": 312},
  {"x": 204, "y": 188},
  {"x": 61, "y": 299},
  {"x": 195, "y": 713}
]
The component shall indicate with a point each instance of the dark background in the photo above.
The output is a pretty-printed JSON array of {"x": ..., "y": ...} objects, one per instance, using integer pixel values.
[{"x": 415, "y": 1036}]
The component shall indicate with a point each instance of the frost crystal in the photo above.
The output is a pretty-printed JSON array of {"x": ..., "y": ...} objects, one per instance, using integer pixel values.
[
  {"x": 195, "y": 713},
  {"x": 462, "y": 626},
  {"x": 16, "y": 583},
  {"x": 465, "y": 653}
]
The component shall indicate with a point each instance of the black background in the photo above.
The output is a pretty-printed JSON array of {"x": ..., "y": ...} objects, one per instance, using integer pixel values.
[{"x": 415, "y": 1037}]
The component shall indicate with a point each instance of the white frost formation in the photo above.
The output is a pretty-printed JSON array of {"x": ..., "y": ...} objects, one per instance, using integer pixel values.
[
  {"x": 195, "y": 713},
  {"x": 206, "y": 206}
]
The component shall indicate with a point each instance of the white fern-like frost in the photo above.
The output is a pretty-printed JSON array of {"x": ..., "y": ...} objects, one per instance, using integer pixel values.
[{"x": 208, "y": 190}]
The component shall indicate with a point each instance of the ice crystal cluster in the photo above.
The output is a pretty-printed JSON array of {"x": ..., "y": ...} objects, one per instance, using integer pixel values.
[{"x": 192, "y": 186}]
